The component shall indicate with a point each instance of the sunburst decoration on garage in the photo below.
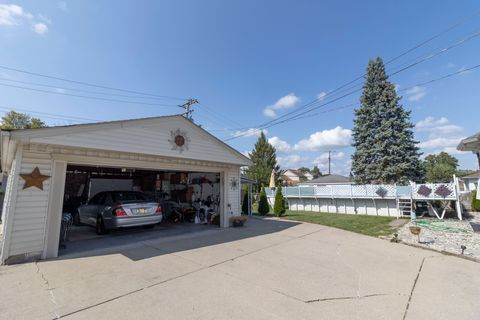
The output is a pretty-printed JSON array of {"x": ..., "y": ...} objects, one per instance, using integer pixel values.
[{"x": 179, "y": 140}]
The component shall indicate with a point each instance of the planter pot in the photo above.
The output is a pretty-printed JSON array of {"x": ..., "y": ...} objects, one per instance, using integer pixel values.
[{"x": 237, "y": 223}]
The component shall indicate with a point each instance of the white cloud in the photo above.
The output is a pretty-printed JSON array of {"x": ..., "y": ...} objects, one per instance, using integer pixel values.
[
  {"x": 279, "y": 144},
  {"x": 333, "y": 138},
  {"x": 290, "y": 161},
  {"x": 321, "y": 96},
  {"x": 416, "y": 93},
  {"x": 441, "y": 135},
  {"x": 62, "y": 5},
  {"x": 61, "y": 90},
  {"x": 437, "y": 127},
  {"x": 252, "y": 132},
  {"x": 14, "y": 15},
  {"x": 40, "y": 28},
  {"x": 285, "y": 102},
  {"x": 11, "y": 14},
  {"x": 440, "y": 143}
]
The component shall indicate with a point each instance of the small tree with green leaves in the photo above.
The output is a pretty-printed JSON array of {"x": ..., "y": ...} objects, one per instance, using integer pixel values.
[
  {"x": 279, "y": 205},
  {"x": 245, "y": 203},
  {"x": 18, "y": 120},
  {"x": 263, "y": 206}
]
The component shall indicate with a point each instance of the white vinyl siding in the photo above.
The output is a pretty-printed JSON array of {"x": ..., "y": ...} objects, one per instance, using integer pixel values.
[
  {"x": 233, "y": 194},
  {"x": 150, "y": 139},
  {"x": 28, "y": 231}
]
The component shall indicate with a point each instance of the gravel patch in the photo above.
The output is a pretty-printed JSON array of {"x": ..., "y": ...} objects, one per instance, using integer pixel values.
[{"x": 444, "y": 235}]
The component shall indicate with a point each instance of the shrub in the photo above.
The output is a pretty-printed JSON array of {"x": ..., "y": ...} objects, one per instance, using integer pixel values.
[
  {"x": 245, "y": 203},
  {"x": 279, "y": 206},
  {"x": 263, "y": 206},
  {"x": 475, "y": 201}
]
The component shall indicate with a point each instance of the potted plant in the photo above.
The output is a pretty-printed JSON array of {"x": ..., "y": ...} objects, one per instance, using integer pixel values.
[{"x": 238, "y": 221}]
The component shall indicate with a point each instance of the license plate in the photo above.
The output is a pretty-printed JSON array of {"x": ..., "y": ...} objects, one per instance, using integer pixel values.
[{"x": 142, "y": 210}]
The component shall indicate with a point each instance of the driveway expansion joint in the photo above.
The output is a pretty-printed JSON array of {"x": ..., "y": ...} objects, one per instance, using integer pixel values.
[{"x": 413, "y": 288}]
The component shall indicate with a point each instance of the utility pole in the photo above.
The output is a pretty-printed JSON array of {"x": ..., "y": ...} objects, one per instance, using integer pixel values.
[
  {"x": 329, "y": 160},
  {"x": 186, "y": 106}
]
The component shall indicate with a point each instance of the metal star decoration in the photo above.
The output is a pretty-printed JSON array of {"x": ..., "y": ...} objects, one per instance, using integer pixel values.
[{"x": 34, "y": 179}]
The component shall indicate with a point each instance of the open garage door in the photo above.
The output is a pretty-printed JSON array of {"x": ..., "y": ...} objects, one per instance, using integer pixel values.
[{"x": 105, "y": 202}]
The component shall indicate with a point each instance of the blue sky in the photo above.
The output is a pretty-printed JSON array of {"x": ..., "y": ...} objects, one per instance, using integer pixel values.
[{"x": 247, "y": 62}]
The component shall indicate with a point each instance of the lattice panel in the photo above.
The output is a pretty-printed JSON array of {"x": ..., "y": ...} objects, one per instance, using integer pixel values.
[{"x": 323, "y": 191}]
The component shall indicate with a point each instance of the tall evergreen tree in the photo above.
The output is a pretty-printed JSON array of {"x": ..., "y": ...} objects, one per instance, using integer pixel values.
[
  {"x": 264, "y": 160},
  {"x": 385, "y": 149}
]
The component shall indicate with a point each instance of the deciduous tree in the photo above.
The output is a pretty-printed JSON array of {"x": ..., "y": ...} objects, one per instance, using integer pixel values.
[
  {"x": 18, "y": 120},
  {"x": 440, "y": 167}
]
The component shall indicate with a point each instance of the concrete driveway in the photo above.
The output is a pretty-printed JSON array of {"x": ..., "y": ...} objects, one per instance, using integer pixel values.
[{"x": 267, "y": 270}]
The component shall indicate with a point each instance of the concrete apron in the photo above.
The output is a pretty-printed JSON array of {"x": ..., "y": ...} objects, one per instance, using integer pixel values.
[{"x": 268, "y": 269}]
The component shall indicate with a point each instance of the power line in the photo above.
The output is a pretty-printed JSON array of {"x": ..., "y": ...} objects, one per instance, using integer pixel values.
[
  {"x": 297, "y": 117},
  {"x": 402, "y": 90},
  {"x": 48, "y": 115},
  {"x": 313, "y": 102},
  {"x": 88, "y": 84},
  {"x": 313, "y": 107},
  {"x": 422, "y": 58},
  {"x": 80, "y": 90},
  {"x": 86, "y": 97}
]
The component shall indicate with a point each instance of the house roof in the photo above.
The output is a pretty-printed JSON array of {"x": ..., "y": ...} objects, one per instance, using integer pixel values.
[
  {"x": 328, "y": 179},
  {"x": 471, "y": 143},
  {"x": 475, "y": 175},
  {"x": 54, "y": 134},
  {"x": 295, "y": 171}
]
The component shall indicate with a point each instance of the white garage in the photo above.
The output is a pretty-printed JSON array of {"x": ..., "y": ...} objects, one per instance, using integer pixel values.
[{"x": 40, "y": 164}]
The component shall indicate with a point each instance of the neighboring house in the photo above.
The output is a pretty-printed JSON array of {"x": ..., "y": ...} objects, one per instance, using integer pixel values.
[
  {"x": 329, "y": 179},
  {"x": 471, "y": 181},
  {"x": 308, "y": 175},
  {"x": 472, "y": 144},
  {"x": 293, "y": 177}
]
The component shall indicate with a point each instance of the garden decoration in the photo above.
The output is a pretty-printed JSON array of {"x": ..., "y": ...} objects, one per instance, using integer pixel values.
[
  {"x": 395, "y": 238},
  {"x": 238, "y": 221},
  {"x": 463, "y": 248},
  {"x": 416, "y": 231}
]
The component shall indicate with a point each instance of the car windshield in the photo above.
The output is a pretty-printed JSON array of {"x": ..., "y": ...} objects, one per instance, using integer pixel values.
[{"x": 129, "y": 197}]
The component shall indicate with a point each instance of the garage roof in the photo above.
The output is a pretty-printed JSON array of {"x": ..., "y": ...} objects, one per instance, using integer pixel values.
[{"x": 153, "y": 136}]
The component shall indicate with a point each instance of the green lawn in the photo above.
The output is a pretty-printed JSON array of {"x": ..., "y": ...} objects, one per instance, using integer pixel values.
[{"x": 368, "y": 225}]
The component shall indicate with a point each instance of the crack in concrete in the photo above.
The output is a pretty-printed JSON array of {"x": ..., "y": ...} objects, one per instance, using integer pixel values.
[
  {"x": 182, "y": 275},
  {"x": 348, "y": 298},
  {"x": 49, "y": 289},
  {"x": 413, "y": 288}
]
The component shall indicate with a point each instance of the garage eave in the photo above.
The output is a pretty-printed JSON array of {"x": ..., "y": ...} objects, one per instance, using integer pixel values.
[{"x": 151, "y": 136}]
